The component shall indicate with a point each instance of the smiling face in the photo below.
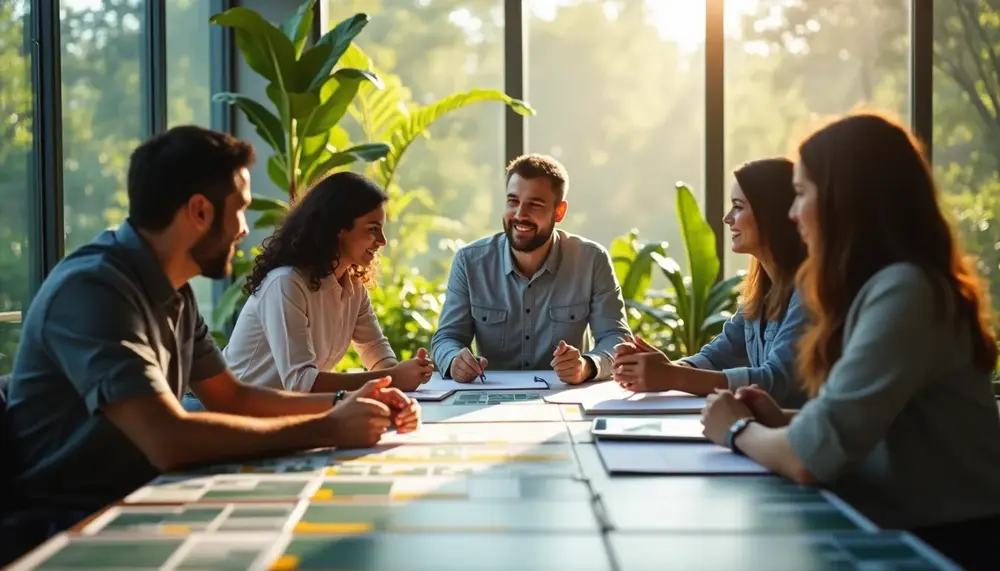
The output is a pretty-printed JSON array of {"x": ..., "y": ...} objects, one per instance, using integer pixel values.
[
  {"x": 360, "y": 244},
  {"x": 804, "y": 208},
  {"x": 531, "y": 212},
  {"x": 742, "y": 224}
]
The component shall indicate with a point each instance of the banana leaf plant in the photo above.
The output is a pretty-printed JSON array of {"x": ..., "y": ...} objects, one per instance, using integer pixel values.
[
  {"x": 633, "y": 265},
  {"x": 306, "y": 100},
  {"x": 695, "y": 306}
]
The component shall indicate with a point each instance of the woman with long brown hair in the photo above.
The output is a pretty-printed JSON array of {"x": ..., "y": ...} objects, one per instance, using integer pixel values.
[
  {"x": 898, "y": 356},
  {"x": 757, "y": 345}
]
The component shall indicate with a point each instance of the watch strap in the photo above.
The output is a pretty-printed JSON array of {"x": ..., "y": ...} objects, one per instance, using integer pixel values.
[
  {"x": 735, "y": 430},
  {"x": 593, "y": 367}
]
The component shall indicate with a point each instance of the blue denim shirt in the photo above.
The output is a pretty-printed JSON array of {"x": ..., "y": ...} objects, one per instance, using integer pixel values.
[
  {"x": 746, "y": 357},
  {"x": 517, "y": 321}
]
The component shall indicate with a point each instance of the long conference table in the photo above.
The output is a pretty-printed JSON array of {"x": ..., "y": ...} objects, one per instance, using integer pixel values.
[{"x": 496, "y": 479}]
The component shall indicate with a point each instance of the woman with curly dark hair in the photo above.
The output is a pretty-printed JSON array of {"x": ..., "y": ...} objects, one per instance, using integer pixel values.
[{"x": 308, "y": 299}]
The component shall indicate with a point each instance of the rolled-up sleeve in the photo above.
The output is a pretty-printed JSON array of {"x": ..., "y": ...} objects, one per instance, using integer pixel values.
[
  {"x": 607, "y": 315},
  {"x": 727, "y": 350},
  {"x": 283, "y": 309},
  {"x": 103, "y": 346},
  {"x": 884, "y": 362},
  {"x": 777, "y": 374},
  {"x": 371, "y": 343},
  {"x": 456, "y": 329}
]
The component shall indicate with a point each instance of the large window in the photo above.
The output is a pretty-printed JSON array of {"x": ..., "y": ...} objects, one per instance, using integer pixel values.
[
  {"x": 619, "y": 89},
  {"x": 102, "y": 111},
  {"x": 15, "y": 172},
  {"x": 434, "y": 49},
  {"x": 189, "y": 76},
  {"x": 967, "y": 125},
  {"x": 791, "y": 63}
]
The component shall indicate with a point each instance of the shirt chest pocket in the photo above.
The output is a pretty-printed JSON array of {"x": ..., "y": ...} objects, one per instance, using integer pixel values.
[
  {"x": 770, "y": 332},
  {"x": 569, "y": 323},
  {"x": 490, "y": 327}
]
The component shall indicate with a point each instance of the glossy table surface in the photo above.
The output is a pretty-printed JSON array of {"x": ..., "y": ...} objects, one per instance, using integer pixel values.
[{"x": 479, "y": 487}]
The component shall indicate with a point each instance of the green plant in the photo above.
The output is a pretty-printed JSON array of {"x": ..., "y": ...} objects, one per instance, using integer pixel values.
[
  {"x": 695, "y": 306},
  {"x": 307, "y": 99},
  {"x": 313, "y": 143},
  {"x": 633, "y": 265}
]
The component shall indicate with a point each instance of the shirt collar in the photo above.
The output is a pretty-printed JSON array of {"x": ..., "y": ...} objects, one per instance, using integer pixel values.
[
  {"x": 555, "y": 254},
  {"x": 345, "y": 288},
  {"x": 147, "y": 267},
  {"x": 552, "y": 261}
]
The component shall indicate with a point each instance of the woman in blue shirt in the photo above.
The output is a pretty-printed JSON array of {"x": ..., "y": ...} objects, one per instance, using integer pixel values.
[{"x": 757, "y": 345}]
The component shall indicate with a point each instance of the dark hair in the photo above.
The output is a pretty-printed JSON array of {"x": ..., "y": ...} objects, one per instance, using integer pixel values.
[
  {"x": 307, "y": 239},
  {"x": 767, "y": 184},
  {"x": 866, "y": 168},
  {"x": 535, "y": 166},
  {"x": 168, "y": 169}
]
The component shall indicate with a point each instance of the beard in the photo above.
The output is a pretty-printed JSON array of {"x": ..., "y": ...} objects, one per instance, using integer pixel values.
[
  {"x": 530, "y": 243},
  {"x": 214, "y": 253}
]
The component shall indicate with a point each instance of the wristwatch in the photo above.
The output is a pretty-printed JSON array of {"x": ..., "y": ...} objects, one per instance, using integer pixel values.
[
  {"x": 338, "y": 396},
  {"x": 737, "y": 427},
  {"x": 593, "y": 367}
]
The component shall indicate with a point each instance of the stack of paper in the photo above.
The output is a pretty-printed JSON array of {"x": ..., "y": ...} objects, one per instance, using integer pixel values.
[
  {"x": 678, "y": 427},
  {"x": 429, "y": 395},
  {"x": 609, "y": 398},
  {"x": 537, "y": 380},
  {"x": 689, "y": 458}
]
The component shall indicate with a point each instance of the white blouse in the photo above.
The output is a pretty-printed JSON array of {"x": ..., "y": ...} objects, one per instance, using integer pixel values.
[{"x": 286, "y": 333}]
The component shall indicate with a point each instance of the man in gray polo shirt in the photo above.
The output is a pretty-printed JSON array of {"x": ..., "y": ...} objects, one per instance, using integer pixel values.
[
  {"x": 531, "y": 297},
  {"x": 114, "y": 338}
]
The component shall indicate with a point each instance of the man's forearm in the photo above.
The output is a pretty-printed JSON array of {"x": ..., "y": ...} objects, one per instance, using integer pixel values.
[
  {"x": 208, "y": 437},
  {"x": 250, "y": 400}
]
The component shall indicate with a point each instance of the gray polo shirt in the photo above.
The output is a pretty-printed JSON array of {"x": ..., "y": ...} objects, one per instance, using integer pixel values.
[
  {"x": 905, "y": 428},
  {"x": 106, "y": 326},
  {"x": 517, "y": 321}
]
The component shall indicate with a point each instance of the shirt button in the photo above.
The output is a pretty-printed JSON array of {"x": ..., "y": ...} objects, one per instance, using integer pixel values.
[
  {"x": 527, "y": 336},
  {"x": 572, "y": 317},
  {"x": 484, "y": 319},
  {"x": 527, "y": 364},
  {"x": 527, "y": 311}
]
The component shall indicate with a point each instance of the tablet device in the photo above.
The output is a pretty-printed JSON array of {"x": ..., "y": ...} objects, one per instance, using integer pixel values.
[{"x": 685, "y": 427}]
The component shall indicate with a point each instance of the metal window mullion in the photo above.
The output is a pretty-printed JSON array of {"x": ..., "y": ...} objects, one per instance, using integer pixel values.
[
  {"x": 221, "y": 69},
  {"x": 715, "y": 131},
  {"x": 515, "y": 55},
  {"x": 47, "y": 231},
  {"x": 153, "y": 68},
  {"x": 922, "y": 71}
]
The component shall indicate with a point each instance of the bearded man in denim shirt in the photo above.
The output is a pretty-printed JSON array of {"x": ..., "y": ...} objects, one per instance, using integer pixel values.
[{"x": 532, "y": 297}]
